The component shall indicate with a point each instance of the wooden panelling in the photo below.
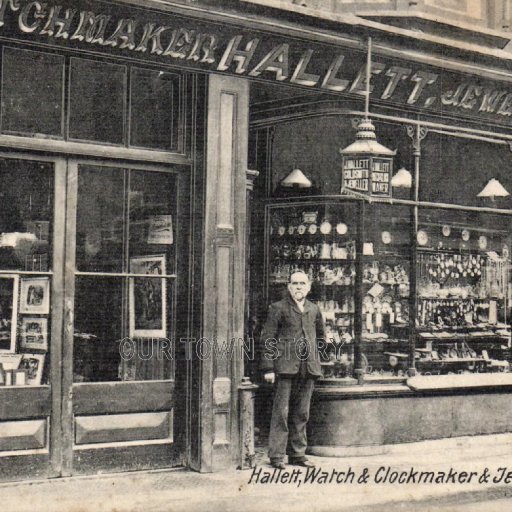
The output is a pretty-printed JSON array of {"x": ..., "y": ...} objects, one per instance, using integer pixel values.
[
  {"x": 23, "y": 435},
  {"x": 128, "y": 458},
  {"x": 113, "y": 397},
  {"x": 116, "y": 428},
  {"x": 25, "y": 466},
  {"x": 25, "y": 402}
]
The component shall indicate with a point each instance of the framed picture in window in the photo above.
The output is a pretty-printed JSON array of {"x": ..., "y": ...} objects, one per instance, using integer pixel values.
[
  {"x": 33, "y": 365},
  {"x": 34, "y": 333},
  {"x": 35, "y": 296},
  {"x": 148, "y": 308},
  {"x": 8, "y": 312}
]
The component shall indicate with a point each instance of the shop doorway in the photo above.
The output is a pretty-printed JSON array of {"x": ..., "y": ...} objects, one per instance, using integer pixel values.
[{"x": 89, "y": 291}]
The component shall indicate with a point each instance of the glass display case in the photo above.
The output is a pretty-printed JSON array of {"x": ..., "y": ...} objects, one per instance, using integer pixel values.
[
  {"x": 463, "y": 289},
  {"x": 319, "y": 239},
  {"x": 358, "y": 258}
]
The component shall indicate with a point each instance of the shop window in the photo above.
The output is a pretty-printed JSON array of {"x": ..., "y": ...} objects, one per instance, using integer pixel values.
[
  {"x": 313, "y": 145},
  {"x": 32, "y": 92},
  {"x": 126, "y": 230},
  {"x": 447, "y": 162},
  {"x": 97, "y": 101},
  {"x": 26, "y": 231},
  {"x": 385, "y": 291},
  {"x": 320, "y": 240},
  {"x": 155, "y": 109},
  {"x": 463, "y": 292}
]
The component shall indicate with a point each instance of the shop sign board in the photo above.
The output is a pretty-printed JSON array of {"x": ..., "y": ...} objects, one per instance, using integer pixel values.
[
  {"x": 368, "y": 175},
  {"x": 211, "y": 46}
]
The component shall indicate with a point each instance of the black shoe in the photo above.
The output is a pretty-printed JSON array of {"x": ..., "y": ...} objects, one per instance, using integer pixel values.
[
  {"x": 302, "y": 462},
  {"x": 278, "y": 464}
]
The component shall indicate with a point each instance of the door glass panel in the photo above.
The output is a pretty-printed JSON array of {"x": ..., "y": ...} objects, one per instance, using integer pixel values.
[
  {"x": 26, "y": 231},
  {"x": 100, "y": 219},
  {"x": 125, "y": 232}
]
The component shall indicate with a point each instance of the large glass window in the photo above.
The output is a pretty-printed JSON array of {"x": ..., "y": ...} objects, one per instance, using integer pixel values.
[
  {"x": 385, "y": 290},
  {"x": 26, "y": 233},
  {"x": 125, "y": 257},
  {"x": 320, "y": 240},
  {"x": 463, "y": 292},
  {"x": 155, "y": 109},
  {"x": 32, "y": 92},
  {"x": 97, "y": 101}
]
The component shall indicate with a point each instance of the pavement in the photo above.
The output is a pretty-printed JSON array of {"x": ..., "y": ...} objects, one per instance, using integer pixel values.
[{"x": 469, "y": 474}]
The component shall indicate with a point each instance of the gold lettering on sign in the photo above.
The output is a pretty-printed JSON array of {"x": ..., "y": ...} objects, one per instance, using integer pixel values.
[
  {"x": 422, "y": 79},
  {"x": 359, "y": 84},
  {"x": 15, "y": 5},
  {"x": 124, "y": 35},
  {"x": 490, "y": 100},
  {"x": 300, "y": 76},
  {"x": 58, "y": 27},
  {"x": 151, "y": 33},
  {"x": 241, "y": 57},
  {"x": 91, "y": 27},
  {"x": 396, "y": 73},
  {"x": 180, "y": 43},
  {"x": 37, "y": 17},
  {"x": 330, "y": 81},
  {"x": 276, "y": 61}
]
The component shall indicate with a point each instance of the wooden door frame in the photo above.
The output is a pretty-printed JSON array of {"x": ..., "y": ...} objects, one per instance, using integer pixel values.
[{"x": 56, "y": 276}]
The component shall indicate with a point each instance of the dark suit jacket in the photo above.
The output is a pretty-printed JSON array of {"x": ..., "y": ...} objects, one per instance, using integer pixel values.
[{"x": 290, "y": 336}]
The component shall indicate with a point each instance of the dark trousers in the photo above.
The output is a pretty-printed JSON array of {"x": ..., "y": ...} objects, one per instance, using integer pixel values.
[{"x": 290, "y": 414}]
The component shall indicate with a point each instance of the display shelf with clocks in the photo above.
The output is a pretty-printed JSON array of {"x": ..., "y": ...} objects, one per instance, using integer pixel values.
[{"x": 320, "y": 240}]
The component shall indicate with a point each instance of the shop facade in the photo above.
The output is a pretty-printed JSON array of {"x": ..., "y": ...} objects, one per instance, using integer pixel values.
[
  {"x": 407, "y": 246},
  {"x": 113, "y": 243},
  {"x": 142, "y": 152}
]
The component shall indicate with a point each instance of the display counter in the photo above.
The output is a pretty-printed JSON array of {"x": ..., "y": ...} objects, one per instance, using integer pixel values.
[{"x": 348, "y": 419}]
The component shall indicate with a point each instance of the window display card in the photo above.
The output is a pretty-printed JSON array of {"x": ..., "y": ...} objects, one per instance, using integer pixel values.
[{"x": 160, "y": 230}]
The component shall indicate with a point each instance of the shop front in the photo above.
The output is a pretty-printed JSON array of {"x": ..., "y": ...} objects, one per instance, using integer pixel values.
[
  {"x": 110, "y": 169},
  {"x": 130, "y": 276},
  {"x": 406, "y": 241}
]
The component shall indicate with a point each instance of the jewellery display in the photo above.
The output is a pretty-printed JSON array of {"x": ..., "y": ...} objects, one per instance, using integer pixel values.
[{"x": 461, "y": 287}]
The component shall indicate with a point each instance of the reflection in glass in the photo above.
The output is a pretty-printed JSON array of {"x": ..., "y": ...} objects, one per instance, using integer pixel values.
[
  {"x": 26, "y": 215},
  {"x": 100, "y": 223}
]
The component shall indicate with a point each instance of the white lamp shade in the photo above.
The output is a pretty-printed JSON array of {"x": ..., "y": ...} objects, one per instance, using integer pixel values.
[
  {"x": 402, "y": 179},
  {"x": 493, "y": 189},
  {"x": 296, "y": 179}
]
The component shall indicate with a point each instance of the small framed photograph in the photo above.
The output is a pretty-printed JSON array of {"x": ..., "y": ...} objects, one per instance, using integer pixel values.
[
  {"x": 34, "y": 333},
  {"x": 8, "y": 312},
  {"x": 148, "y": 308},
  {"x": 35, "y": 296},
  {"x": 33, "y": 364}
]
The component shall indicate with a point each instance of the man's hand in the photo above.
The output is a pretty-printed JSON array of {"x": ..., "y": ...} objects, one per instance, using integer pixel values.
[{"x": 270, "y": 377}]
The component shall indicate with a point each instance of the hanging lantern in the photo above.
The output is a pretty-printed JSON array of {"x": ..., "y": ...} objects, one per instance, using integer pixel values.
[{"x": 367, "y": 165}]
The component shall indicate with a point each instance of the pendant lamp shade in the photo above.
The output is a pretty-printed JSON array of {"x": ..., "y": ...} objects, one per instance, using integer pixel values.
[
  {"x": 493, "y": 189},
  {"x": 402, "y": 179},
  {"x": 296, "y": 179}
]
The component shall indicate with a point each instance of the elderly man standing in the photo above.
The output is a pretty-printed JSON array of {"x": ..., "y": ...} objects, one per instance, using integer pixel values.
[{"x": 291, "y": 336}]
